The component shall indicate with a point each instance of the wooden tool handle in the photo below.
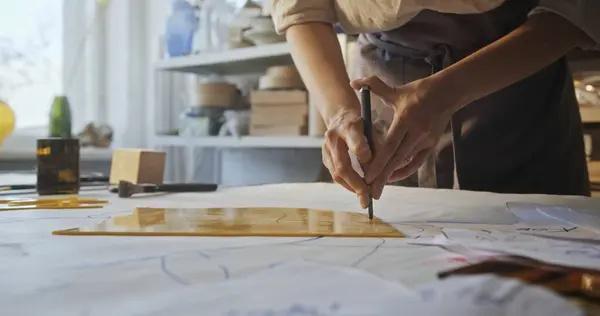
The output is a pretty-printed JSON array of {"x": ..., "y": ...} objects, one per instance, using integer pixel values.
[
  {"x": 365, "y": 100},
  {"x": 186, "y": 187},
  {"x": 365, "y": 109}
]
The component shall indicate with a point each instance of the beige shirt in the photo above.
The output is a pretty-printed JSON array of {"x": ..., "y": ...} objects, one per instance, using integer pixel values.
[{"x": 363, "y": 16}]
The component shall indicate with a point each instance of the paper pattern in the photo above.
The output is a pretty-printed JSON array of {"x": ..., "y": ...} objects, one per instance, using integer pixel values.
[
  {"x": 575, "y": 254},
  {"x": 66, "y": 275},
  {"x": 304, "y": 288}
]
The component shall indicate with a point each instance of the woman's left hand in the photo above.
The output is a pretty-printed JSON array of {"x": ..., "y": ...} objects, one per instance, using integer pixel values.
[{"x": 421, "y": 115}]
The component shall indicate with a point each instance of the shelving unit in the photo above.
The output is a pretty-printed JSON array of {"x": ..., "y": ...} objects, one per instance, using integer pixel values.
[
  {"x": 250, "y": 60},
  {"x": 257, "y": 59},
  {"x": 86, "y": 154},
  {"x": 241, "y": 142},
  {"x": 232, "y": 62}
]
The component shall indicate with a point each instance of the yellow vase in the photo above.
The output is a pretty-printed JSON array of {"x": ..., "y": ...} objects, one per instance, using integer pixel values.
[{"x": 7, "y": 121}]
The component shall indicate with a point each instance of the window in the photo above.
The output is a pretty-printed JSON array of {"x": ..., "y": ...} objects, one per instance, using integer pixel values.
[{"x": 31, "y": 49}]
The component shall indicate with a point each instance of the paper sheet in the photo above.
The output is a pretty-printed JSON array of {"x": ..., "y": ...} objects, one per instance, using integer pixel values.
[
  {"x": 89, "y": 276},
  {"x": 489, "y": 295},
  {"x": 539, "y": 214},
  {"x": 304, "y": 288},
  {"x": 563, "y": 252}
]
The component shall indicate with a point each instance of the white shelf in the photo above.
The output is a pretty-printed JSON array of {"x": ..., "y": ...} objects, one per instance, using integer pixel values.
[
  {"x": 236, "y": 61},
  {"x": 242, "y": 142},
  {"x": 85, "y": 154}
]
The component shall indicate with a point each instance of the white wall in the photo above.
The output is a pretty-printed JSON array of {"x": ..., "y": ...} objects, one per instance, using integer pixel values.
[
  {"x": 239, "y": 166},
  {"x": 126, "y": 64}
]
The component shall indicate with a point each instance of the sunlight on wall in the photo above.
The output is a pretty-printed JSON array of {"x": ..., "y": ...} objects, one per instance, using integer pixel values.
[{"x": 30, "y": 57}]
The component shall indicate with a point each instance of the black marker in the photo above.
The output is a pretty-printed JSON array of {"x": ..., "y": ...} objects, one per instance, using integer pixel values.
[{"x": 365, "y": 105}]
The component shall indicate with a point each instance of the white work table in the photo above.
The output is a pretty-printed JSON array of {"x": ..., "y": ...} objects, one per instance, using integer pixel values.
[{"x": 43, "y": 274}]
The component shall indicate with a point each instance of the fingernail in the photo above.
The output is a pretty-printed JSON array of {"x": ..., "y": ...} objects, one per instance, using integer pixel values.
[
  {"x": 361, "y": 200},
  {"x": 365, "y": 201},
  {"x": 377, "y": 192}
]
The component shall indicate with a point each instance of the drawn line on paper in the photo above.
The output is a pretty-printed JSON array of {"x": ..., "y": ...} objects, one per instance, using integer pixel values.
[
  {"x": 275, "y": 264},
  {"x": 361, "y": 246},
  {"x": 171, "y": 275},
  {"x": 115, "y": 263},
  {"x": 203, "y": 255},
  {"x": 304, "y": 240},
  {"x": 52, "y": 288},
  {"x": 262, "y": 245},
  {"x": 222, "y": 267},
  {"x": 225, "y": 271},
  {"x": 546, "y": 230},
  {"x": 296, "y": 309},
  {"x": 15, "y": 248},
  {"x": 370, "y": 253}
]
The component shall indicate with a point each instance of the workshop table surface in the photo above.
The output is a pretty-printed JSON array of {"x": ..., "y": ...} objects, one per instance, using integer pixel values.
[{"x": 41, "y": 273}]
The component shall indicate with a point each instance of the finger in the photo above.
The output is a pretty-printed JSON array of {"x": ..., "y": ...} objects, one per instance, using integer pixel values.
[
  {"x": 411, "y": 167},
  {"x": 376, "y": 85},
  {"x": 357, "y": 143},
  {"x": 343, "y": 171},
  {"x": 402, "y": 155},
  {"x": 377, "y": 145},
  {"x": 394, "y": 164},
  {"x": 391, "y": 143},
  {"x": 329, "y": 165},
  {"x": 409, "y": 158},
  {"x": 378, "y": 139}
]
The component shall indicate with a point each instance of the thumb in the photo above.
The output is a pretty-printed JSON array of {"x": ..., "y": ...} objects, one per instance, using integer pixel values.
[
  {"x": 377, "y": 86},
  {"x": 358, "y": 145}
]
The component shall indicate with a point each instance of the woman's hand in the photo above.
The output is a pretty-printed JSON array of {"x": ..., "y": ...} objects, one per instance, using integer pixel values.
[
  {"x": 345, "y": 136},
  {"x": 421, "y": 115}
]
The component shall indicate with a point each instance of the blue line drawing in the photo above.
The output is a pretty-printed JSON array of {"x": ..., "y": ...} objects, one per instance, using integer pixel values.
[
  {"x": 297, "y": 309},
  {"x": 171, "y": 275},
  {"x": 363, "y": 258}
]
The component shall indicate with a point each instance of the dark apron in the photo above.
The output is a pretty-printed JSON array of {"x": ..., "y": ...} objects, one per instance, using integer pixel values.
[{"x": 526, "y": 138}]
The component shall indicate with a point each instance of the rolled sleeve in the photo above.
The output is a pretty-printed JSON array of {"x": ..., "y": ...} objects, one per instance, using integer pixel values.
[
  {"x": 286, "y": 13},
  {"x": 584, "y": 14}
]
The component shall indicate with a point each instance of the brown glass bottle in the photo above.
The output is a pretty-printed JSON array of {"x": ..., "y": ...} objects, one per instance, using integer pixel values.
[{"x": 57, "y": 166}]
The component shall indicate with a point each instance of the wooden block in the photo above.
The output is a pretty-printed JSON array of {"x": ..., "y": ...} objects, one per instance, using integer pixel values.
[
  {"x": 137, "y": 166},
  {"x": 280, "y": 111},
  {"x": 265, "y": 130},
  {"x": 589, "y": 114},
  {"x": 594, "y": 171},
  {"x": 280, "y": 97},
  {"x": 263, "y": 119}
]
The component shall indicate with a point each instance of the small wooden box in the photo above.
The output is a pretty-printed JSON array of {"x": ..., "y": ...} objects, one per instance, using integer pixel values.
[{"x": 137, "y": 166}]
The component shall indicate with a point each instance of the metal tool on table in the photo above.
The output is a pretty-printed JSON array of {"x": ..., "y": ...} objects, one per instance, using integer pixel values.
[
  {"x": 127, "y": 189},
  {"x": 365, "y": 102},
  {"x": 87, "y": 181}
]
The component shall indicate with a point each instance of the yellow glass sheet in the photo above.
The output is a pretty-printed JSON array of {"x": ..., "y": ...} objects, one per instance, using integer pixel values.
[
  {"x": 61, "y": 203},
  {"x": 280, "y": 222}
]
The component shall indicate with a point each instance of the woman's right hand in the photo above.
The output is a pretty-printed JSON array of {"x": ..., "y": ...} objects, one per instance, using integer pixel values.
[{"x": 345, "y": 135}]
